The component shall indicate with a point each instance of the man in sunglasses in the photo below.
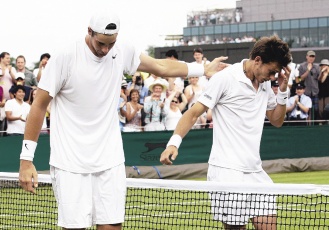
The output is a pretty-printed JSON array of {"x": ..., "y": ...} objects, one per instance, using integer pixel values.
[{"x": 309, "y": 73}]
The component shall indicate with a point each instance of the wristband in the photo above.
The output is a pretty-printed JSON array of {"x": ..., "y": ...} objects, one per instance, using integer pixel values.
[
  {"x": 28, "y": 149},
  {"x": 175, "y": 140},
  {"x": 195, "y": 70},
  {"x": 281, "y": 97}
]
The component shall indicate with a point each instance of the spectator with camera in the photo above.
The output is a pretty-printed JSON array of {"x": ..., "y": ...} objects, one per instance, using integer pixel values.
[
  {"x": 177, "y": 103},
  {"x": 137, "y": 83},
  {"x": 298, "y": 106}
]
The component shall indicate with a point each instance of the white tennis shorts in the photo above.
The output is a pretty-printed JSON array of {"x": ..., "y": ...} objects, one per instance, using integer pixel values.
[
  {"x": 235, "y": 208},
  {"x": 89, "y": 198}
]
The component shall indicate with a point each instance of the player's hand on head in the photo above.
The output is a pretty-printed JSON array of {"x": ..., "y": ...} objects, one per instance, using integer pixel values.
[
  {"x": 169, "y": 155},
  {"x": 215, "y": 66},
  {"x": 28, "y": 176},
  {"x": 283, "y": 78}
]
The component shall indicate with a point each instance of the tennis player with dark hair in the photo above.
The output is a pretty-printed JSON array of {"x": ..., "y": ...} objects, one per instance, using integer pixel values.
[
  {"x": 87, "y": 159},
  {"x": 239, "y": 97}
]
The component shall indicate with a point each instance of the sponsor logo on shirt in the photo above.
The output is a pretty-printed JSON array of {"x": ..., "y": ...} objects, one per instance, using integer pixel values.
[{"x": 207, "y": 96}]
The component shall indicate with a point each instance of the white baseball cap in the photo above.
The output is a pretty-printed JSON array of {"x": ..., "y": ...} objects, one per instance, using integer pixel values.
[
  {"x": 20, "y": 75},
  {"x": 105, "y": 23}
]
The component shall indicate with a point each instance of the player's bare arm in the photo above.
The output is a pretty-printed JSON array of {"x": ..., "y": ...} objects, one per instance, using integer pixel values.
[
  {"x": 276, "y": 116},
  {"x": 170, "y": 68},
  {"x": 28, "y": 176},
  {"x": 183, "y": 127}
]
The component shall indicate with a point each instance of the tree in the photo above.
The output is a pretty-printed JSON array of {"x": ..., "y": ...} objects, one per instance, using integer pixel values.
[{"x": 150, "y": 51}]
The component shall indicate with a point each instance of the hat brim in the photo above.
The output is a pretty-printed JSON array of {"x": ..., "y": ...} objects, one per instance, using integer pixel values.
[{"x": 164, "y": 88}]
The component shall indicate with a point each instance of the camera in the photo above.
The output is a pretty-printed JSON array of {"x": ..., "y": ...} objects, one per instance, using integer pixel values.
[{"x": 138, "y": 78}]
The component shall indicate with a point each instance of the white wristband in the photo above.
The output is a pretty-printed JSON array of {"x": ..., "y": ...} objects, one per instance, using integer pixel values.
[
  {"x": 281, "y": 97},
  {"x": 28, "y": 149},
  {"x": 175, "y": 140},
  {"x": 195, "y": 70}
]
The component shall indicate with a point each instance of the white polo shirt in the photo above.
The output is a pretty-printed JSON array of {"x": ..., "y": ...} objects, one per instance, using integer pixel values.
[
  {"x": 238, "y": 117},
  {"x": 85, "y": 134}
]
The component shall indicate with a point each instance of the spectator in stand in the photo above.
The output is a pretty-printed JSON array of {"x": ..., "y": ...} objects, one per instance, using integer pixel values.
[
  {"x": 193, "y": 91},
  {"x": 198, "y": 57},
  {"x": 20, "y": 80},
  {"x": 309, "y": 73},
  {"x": 137, "y": 83},
  {"x": 122, "y": 103},
  {"x": 43, "y": 62},
  {"x": 177, "y": 103},
  {"x": 7, "y": 79},
  {"x": 154, "y": 107},
  {"x": 323, "y": 88},
  {"x": 178, "y": 82},
  {"x": 2, "y": 112},
  {"x": 17, "y": 112},
  {"x": 30, "y": 80},
  {"x": 298, "y": 106},
  {"x": 275, "y": 86},
  {"x": 133, "y": 113},
  {"x": 151, "y": 79}
]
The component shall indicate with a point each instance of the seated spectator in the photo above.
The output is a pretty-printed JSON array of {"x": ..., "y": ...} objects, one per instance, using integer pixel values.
[
  {"x": 17, "y": 112},
  {"x": 137, "y": 83},
  {"x": 323, "y": 88},
  {"x": 177, "y": 103},
  {"x": 155, "y": 111},
  {"x": 20, "y": 80},
  {"x": 298, "y": 106},
  {"x": 133, "y": 113}
]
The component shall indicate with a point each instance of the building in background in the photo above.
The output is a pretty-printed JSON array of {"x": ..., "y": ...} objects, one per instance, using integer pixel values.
[{"x": 299, "y": 23}]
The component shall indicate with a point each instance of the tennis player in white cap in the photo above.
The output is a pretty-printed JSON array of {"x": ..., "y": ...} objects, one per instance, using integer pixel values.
[{"x": 87, "y": 160}]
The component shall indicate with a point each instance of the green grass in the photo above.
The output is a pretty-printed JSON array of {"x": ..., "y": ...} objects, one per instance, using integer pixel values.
[{"x": 315, "y": 177}]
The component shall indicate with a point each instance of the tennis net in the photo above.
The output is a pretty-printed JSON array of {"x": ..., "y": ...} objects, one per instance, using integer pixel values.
[{"x": 170, "y": 204}]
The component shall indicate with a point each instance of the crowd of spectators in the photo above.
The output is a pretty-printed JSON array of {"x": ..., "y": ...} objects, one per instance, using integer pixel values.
[{"x": 152, "y": 103}]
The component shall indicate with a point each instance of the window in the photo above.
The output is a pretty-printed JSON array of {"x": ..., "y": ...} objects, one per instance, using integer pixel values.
[
  {"x": 218, "y": 29},
  {"x": 260, "y": 26},
  {"x": 277, "y": 25},
  {"x": 209, "y": 30},
  {"x": 294, "y": 24},
  {"x": 303, "y": 23},
  {"x": 251, "y": 27},
  {"x": 286, "y": 24},
  {"x": 242, "y": 27}
]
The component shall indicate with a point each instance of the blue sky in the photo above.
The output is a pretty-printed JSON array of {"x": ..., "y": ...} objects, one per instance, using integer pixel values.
[{"x": 33, "y": 27}]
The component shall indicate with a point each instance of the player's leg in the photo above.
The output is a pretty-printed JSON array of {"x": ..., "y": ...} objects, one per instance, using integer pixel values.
[
  {"x": 264, "y": 222},
  {"x": 229, "y": 208},
  {"x": 109, "y": 197},
  {"x": 263, "y": 208},
  {"x": 73, "y": 192}
]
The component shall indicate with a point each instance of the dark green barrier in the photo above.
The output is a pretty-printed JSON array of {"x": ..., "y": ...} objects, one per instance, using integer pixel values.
[{"x": 144, "y": 149}]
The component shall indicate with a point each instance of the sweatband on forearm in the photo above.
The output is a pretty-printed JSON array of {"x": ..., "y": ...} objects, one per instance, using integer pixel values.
[
  {"x": 195, "y": 70},
  {"x": 175, "y": 140},
  {"x": 28, "y": 149},
  {"x": 281, "y": 97}
]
